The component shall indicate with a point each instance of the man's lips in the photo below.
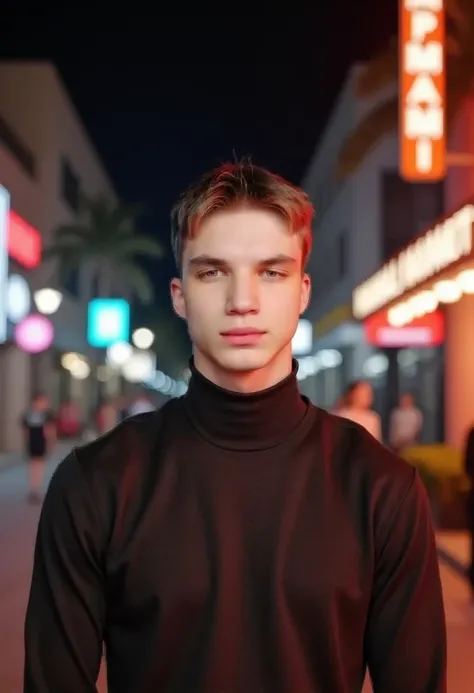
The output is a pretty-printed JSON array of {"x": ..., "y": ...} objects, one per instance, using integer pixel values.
[{"x": 242, "y": 332}]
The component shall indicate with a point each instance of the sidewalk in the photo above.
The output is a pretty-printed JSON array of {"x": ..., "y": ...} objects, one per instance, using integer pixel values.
[
  {"x": 453, "y": 550},
  {"x": 8, "y": 459}
]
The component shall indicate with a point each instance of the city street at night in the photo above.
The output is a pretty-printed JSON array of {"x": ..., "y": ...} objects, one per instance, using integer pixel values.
[
  {"x": 237, "y": 257},
  {"x": 18, "y": 522}
]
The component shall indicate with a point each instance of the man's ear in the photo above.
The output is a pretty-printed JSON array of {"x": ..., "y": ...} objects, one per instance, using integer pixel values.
[
  {"x": 305, "y": 293},
  {"x": 177, "y": 297}
]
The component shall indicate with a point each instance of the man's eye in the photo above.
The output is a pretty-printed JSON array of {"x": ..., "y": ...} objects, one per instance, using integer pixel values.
[
  {"x": 273, "y": 274},
  {"x": 209, "y": 274}
]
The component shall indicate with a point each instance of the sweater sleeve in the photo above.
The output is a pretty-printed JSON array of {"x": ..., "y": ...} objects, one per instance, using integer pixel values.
[
  {"x": 66, "y": 609},
  {"x": 406, "y": 630}
]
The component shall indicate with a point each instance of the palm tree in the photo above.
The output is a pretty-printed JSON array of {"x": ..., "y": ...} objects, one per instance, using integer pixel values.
[
  {"x": 382, "y": 71},
  {"x": 105, "y": 240}
]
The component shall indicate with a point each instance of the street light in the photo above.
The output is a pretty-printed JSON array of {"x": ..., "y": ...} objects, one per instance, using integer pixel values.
[
  {"x": 140, "y": 367},
  {"x": 143, "y": 338},
  {"x": 80, "y": 370},
  {"x": 119, "y": 353},
  {"x": 18, "y": 298},
  {"x": 48, "y": 300}
]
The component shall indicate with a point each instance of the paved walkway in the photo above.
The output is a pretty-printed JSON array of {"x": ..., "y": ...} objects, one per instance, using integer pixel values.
[{"x": 18, "y": 522}]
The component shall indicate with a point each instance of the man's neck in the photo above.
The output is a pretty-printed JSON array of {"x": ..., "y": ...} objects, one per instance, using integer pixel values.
[{"x": 245, "y": 382}]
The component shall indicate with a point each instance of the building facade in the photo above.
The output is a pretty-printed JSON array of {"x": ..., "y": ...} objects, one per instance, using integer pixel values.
[
  {"x": 47, "y": 162},
  {"x": 426, "y": 291},
  {"x": 360, "y": 222}
]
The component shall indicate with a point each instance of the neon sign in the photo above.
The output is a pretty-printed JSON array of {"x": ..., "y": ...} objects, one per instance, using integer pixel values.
[
  {"x": 34, "y": 334},
  {"x": 426, "y": 331},
  {"x": 4, "y": 209},
  {"x": 24, "y": 242},
  {"x": 108, "y": 322},
  {"x": 422, "y": 90},
  {"x": 440, "y": 247}
]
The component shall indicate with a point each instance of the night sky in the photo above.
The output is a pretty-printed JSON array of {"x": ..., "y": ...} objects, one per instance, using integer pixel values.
[{"x": 166, "y": 97}]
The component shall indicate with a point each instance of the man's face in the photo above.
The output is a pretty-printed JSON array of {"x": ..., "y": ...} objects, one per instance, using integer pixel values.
[{"x": 242, "y": 290}]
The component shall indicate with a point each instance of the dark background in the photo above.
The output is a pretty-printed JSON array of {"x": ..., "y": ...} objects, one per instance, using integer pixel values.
[{"x": 165, "y": 97}]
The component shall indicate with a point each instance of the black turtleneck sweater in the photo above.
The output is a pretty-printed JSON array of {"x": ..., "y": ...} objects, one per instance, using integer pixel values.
[{"x": 235, "y": 543}]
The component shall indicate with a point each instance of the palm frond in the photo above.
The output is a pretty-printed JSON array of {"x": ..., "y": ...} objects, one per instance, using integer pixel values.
[
  {"x": 124, "y": 216},
  {"x": 365, "y": 137},
  {"x": 146, "y": 246},
  {"x": 65, "y": 249},
  {"x": 138, "y": 281},
  {"x": 105, "y": 234},
  {"x": 75, "y": 232},
  {"x": 68, "y": 262}
]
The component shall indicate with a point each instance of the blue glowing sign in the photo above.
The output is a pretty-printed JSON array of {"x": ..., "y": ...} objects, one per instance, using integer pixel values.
[{"x": 108, "y": 322}]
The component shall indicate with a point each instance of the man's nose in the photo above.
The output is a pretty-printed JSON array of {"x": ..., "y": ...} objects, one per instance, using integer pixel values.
[{"x": 242, "y": 296}]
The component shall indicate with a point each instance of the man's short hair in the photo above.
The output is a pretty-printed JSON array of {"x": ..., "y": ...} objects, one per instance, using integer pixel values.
[{"x": 240, "y": 184}]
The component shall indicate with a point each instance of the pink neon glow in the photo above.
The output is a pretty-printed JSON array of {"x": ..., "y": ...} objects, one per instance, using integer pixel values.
[{"x": 34, "y": 334}]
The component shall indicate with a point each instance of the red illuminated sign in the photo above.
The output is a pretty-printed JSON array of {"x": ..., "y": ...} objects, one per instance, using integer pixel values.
[
  {"x": 427, "y": 331},
  {"x": 24, "y": 242}
]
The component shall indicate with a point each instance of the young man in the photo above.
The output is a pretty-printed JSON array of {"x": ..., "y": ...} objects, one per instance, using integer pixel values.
[{"x": 239, "y": 540}]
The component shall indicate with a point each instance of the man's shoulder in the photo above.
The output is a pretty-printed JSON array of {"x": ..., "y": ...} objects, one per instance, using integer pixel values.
[
  {"x": 130, "y": 443},
  {"x": 353, "y": 452}
]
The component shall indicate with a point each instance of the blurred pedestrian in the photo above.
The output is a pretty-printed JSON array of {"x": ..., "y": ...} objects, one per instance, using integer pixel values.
[
  {"x": 357, "y": 406},
  {"x": 469, "y": 471},
  {"x": 39, "y": 427},
  {"x": 406, "y": 423}
]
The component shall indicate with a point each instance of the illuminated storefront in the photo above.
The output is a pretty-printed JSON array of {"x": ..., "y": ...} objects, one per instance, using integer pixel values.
[
  {"x": 422, "y": 297},
  {"x": 20, "y": 331}
]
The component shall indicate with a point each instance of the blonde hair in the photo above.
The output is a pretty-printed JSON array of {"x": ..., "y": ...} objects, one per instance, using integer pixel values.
[{"x": 236, "y": 184}]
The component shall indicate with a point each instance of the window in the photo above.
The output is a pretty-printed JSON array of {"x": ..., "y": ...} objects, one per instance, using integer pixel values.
[
  {"x": 407, "y": 210},
  {"x": 70, "y": 186},
  {"x": 17, "y": 149},
  {"x": 332, "y": 267},
  {"x": 341, "y": 249}
]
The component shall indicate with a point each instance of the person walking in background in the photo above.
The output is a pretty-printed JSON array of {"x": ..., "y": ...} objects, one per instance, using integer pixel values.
[
  {"x": 39, "y": 427},
  {"x": 69, "y": 423},
  {"x": 339, "y": 404},
  {"x": 469, "y": 471},
  {"x": 357, "y": 405},
  {"x": 107, "y": 417},
  {"x": 406, "y": 422}
]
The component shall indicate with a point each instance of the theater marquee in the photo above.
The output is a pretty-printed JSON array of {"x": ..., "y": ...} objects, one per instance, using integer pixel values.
[{"x": 442, "y": 246}]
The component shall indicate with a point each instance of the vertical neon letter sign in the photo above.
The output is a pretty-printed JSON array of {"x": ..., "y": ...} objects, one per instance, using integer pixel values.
[{"x": 422, "y": 90}]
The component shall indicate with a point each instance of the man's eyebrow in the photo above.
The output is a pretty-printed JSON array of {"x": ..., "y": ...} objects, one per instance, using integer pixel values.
[
  {"x": 280, "y": 259},
  {"x": 210, "y": 261}
]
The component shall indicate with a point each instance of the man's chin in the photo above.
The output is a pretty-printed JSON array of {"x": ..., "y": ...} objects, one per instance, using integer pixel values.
[{"x": 243, "y": 360}]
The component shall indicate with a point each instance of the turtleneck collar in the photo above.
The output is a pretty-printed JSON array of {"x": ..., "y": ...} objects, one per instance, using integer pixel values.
[{"x": 254, "y": 421}]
